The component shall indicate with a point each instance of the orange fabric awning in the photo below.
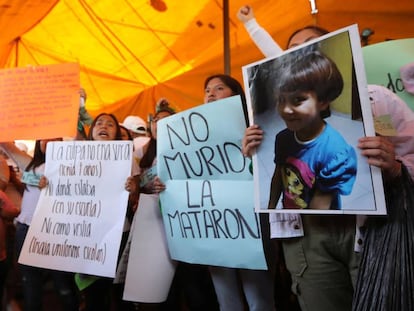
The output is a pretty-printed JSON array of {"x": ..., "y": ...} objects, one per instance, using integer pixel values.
[{"x": 131, "y": 54}]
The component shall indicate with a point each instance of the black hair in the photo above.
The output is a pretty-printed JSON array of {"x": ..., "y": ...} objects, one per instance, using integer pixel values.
[
  {"x": 235, "y": 87},
  {"x": 318, "y": 30},
  {"x": 127, "y": 132},
  {"x": 150, "y": 154},
  {"x": 308, "y": 70},
  {"x": 118, "y": 135},
  {"x": 39, "y": 157},
  {"x": 262, "y": 77},
  {"x": 162, "y": 105}
]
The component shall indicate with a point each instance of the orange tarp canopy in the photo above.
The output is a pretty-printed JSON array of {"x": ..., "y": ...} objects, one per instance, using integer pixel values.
[{"x": 131, "y": 53}]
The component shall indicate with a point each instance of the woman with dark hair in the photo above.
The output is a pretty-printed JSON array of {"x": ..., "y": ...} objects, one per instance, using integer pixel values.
[
  {"x": 148, "y": 160},
  {"x": 234, "y": 286},
  {"x": 105, "y": 127},
  {"x": 102, "y": 293},
  {"x": 306, "y": 34},
  {"x": 191, "y": 287},
  {"x": 228, "y": 81},
  {"x": 221, "y": 86}
]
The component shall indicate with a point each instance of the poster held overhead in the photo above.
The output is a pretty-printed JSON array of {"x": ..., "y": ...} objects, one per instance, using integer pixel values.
[{"x": 39, "y": 102}]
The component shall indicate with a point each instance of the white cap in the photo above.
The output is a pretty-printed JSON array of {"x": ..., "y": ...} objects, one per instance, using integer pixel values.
[{"x": 135, "y": 124}]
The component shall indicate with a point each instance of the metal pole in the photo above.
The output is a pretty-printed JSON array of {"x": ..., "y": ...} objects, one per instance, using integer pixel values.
[
  {"x": 226, "y": 37},
  {"x": 16, "y": 61}
]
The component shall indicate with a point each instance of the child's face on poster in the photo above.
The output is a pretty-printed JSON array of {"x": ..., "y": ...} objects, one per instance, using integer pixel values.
[{"x": 300, "y": 111}]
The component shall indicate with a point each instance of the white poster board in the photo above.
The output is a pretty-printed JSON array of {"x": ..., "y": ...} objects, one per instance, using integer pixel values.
[
  {"x": 78, "y": 222},
  {"x": 150, "y": 269}
]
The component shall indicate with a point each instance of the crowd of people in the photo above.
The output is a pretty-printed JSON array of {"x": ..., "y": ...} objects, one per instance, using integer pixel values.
[{"x": 314, "y": 261}]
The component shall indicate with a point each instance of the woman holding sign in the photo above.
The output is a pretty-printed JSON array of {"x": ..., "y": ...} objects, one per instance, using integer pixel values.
[
  {"x": 33, "y": 278},
  {"x": 99, "y": 295},
  {"x": 235, "y": 286},
  {"x": 232, "y": 284},
  {"x": 190, "y": 281},
  {"x": 149, "y": 184}
]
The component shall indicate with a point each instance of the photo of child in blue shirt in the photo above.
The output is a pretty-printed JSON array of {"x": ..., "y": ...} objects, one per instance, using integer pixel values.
[{"x": 314, "y": 163}]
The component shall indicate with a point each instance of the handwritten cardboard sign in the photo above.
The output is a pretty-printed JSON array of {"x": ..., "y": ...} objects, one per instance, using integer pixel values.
[
  {"x": 39, "y": 102},
  {"x": 208, "y": 207},
  {"x": 78, "y": 222}
]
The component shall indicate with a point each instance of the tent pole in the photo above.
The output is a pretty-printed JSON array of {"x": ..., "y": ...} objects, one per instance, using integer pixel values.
[
  {"x": 16, "y": 61},
  {"x": 226, "y": 37}
]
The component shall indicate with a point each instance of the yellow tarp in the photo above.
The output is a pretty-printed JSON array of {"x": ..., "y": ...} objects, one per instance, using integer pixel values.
[{"x": 130, "y": 54}]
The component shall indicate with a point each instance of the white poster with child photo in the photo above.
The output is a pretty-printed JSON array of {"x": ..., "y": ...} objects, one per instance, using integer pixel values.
[{"x": 312, "y": 104}]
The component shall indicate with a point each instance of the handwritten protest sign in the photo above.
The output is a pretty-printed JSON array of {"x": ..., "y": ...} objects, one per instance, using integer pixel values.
[
  {"x": 39, "y": 102},
  {"x": 383, "y": 62},
  {"x": 208, "y": 207},
  {"x": 77, "y": 225}
]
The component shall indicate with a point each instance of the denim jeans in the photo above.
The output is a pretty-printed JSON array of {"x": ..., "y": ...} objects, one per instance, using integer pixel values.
[{"x": 33, "y": 279}]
